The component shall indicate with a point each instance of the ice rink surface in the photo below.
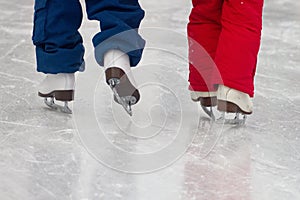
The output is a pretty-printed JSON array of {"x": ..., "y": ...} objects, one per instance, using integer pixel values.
[{"x": 168, "y": 150}]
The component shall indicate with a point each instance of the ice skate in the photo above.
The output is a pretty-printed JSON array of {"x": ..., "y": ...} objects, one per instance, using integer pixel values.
[
  {"x": 58, "y": 87},
  {"x": 233, "y": 101},
  {"x": 119, "y": 78},
  {"x": 207, "y": 100}
]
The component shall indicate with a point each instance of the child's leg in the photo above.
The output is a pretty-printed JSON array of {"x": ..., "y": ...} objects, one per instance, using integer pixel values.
[
  {"x": 239, "y": 43},
  {"x": 203, "y": 31},
  {"x": 119, "y": 20},
  {"x": 58, "y": 43}
]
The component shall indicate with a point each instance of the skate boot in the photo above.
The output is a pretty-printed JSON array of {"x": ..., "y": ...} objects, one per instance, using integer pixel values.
[
  {"x": 59, "y": 87},
  {"x": 207, "y": 101},
  {"x": 119, "y": 78},
  {"x": 234, "y": 101}
]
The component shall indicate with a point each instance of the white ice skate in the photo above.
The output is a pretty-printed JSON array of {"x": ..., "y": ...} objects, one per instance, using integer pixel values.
[
  {"x": 59, "y": 87},
  {"x": 207, "y": 101},
  {"x": 119, "y": 78},
  {"x": 233, "y": 101}
]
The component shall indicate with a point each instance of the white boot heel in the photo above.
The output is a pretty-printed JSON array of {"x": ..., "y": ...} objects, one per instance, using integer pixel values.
[
  {"x": 233, "y": 101},
  {"x": 59, "y": 87}
]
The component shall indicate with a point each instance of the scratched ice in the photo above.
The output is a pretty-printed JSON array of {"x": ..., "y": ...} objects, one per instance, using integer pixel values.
[{"x": 43, "y": 156}]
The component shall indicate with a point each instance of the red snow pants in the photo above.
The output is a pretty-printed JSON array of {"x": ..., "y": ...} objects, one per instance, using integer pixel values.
[{"x": 224, "y": 40}]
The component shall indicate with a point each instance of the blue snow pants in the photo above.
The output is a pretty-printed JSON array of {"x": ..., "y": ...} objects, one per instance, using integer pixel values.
[{"x": 59, "y": 45}]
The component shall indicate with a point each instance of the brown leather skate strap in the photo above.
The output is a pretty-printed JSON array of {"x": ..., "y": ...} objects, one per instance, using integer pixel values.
[
  {"x": 114, "y": 72},
  {"x": 229, "y": 107},
  {"x": 125, "y": 87},
  {"x": 208, "y": 101},
  {"x": 60, "y": 95}
]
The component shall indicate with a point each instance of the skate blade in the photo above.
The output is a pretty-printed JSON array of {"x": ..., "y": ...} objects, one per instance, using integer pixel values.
[
  {"x": 209, "y": 112},
  {"x": 51, "y": 104},
  {"x": 239, "y": 119},
  {"x": 126, "y": 104}
]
